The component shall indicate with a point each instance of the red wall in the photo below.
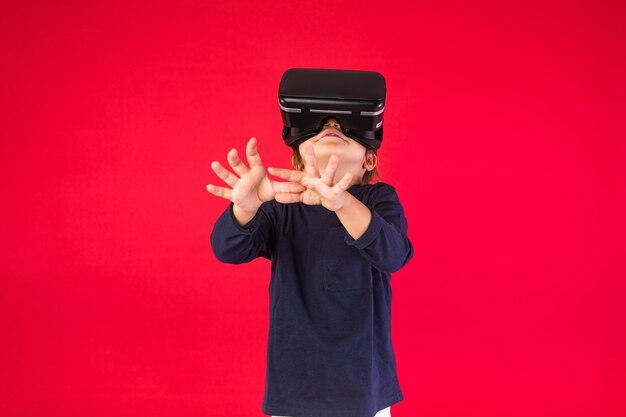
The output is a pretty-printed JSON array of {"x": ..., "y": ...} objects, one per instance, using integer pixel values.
[{"x": 503, "y": 138}]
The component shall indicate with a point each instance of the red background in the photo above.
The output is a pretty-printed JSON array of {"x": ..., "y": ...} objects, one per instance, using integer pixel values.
[{"x": 504, "y": 137}]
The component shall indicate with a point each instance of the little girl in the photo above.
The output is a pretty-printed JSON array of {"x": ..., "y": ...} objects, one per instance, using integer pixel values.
[{"x": 334, "y": 240}]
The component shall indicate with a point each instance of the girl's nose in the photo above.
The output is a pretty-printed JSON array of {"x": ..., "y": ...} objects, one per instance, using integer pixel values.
[{"x": 332, "y": 123}]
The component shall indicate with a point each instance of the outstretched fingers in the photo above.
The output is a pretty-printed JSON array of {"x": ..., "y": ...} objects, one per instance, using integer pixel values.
[
  {"x": 252, "y": 153},
  {"x": 310, "y": 162},
  {"x": 326, "y": 191},
  {"x": 235, "y": 162},
  {"x": 228, "y": 177},
  {"x": 287, "y": 174},
  {"x": 223, "y": 192},
  {"x": 329, "y": 172},
  {"x": 287, "y": 187},
  {"x": 343, "y": 183}
]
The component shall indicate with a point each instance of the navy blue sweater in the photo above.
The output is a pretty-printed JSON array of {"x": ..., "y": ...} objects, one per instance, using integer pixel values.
[{"x": 329, "y": 348}]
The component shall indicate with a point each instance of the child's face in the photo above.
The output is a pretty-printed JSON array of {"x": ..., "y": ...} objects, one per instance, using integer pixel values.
[{"x": 351, "y": 154}]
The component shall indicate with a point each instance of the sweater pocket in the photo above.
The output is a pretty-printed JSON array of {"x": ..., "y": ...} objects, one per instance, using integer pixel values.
[{"x": 344, "y": 267}]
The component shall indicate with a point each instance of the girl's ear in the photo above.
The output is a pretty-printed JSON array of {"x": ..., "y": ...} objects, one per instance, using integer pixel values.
[{"x": 371, "y": 160}]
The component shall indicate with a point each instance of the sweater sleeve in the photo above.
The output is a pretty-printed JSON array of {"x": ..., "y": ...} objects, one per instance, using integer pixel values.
[
  {"x": 385, "y": 243},
  {"x": 236, "y": 244}
]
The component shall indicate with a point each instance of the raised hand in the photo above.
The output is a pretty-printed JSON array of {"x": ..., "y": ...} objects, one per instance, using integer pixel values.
[
  {"x": 251, "y": 187},
  {"x": 319, "y": 188}
]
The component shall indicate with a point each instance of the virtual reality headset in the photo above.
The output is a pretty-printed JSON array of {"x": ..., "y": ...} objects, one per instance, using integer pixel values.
[{"x": 308, "y": 97}]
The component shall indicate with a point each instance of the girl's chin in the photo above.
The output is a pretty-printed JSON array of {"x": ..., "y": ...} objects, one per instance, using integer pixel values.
[
  {"x": 329, "y": 148},
  {"x": 329, "y": 141}
]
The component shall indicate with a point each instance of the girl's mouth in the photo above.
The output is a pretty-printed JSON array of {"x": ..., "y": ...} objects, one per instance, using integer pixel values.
[{"x": 332, "y": 132}]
